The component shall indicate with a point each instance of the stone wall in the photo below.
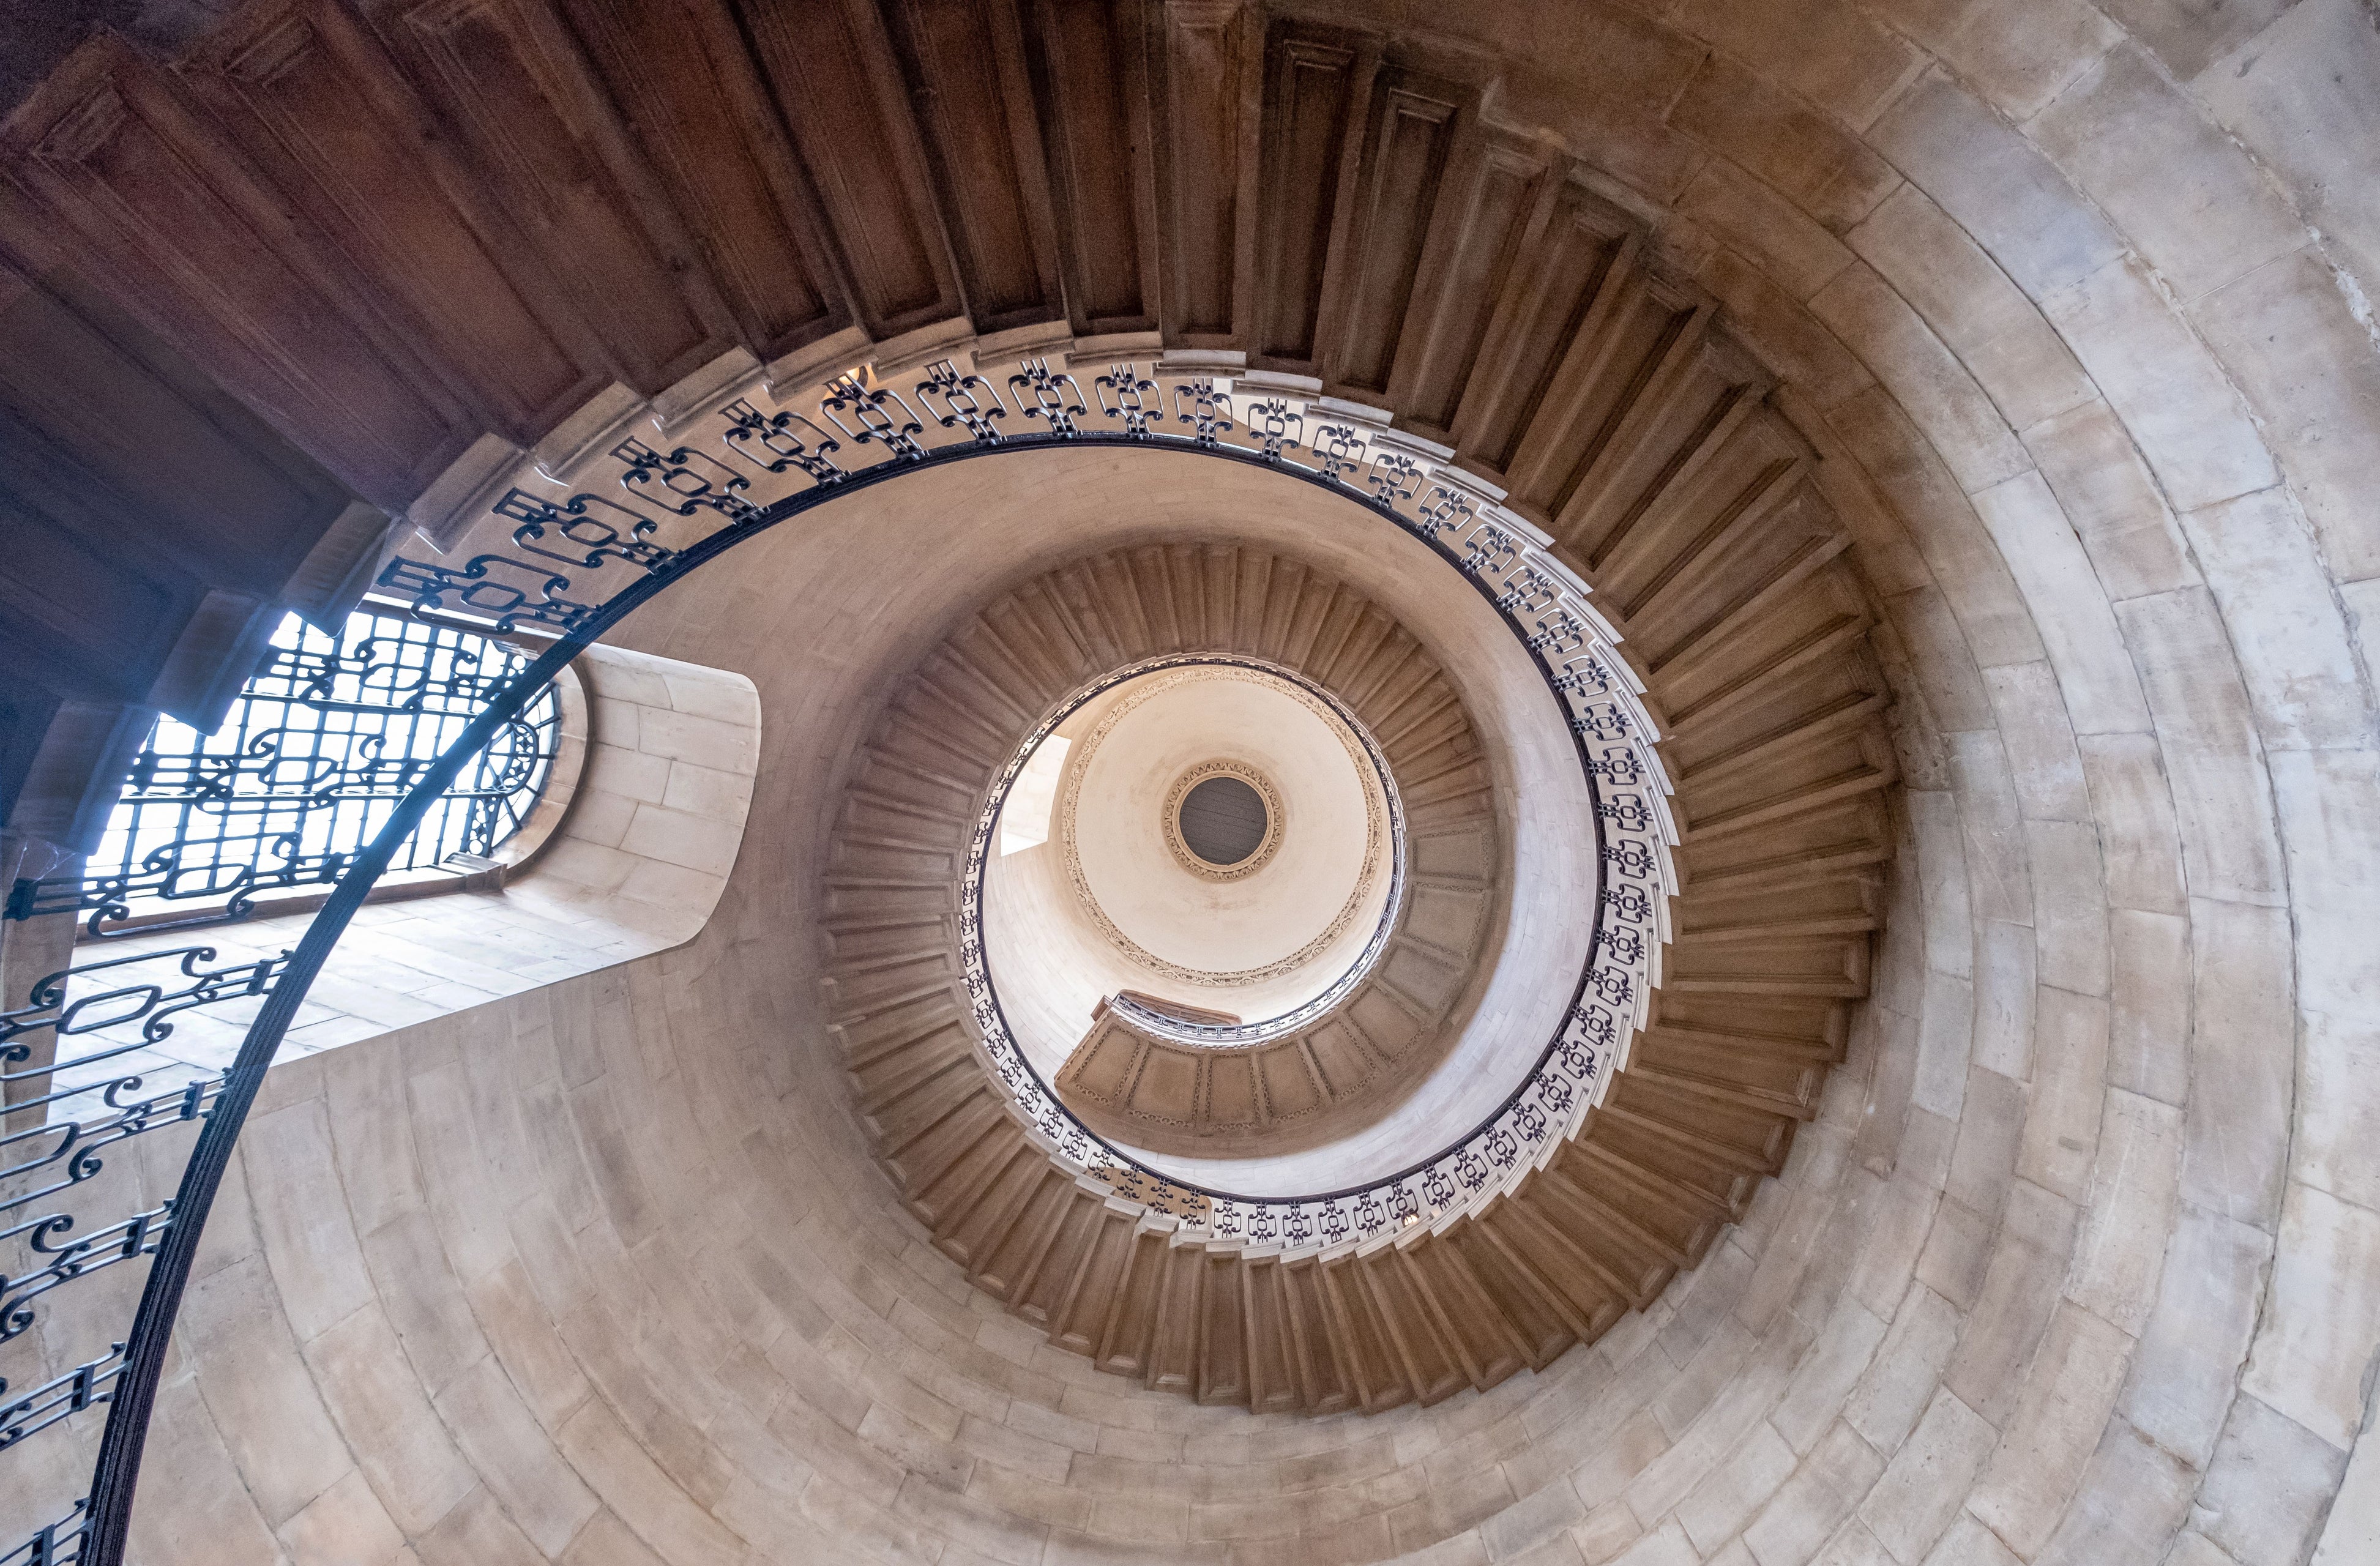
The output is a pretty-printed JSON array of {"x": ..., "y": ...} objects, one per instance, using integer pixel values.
[
  {"x": 655, "y": 822},
  {"x": 624, "y": 853},
  {"x": 2082, "y": 1262}
]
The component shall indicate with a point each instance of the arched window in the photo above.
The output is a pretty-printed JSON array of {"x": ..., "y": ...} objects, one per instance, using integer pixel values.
[{"x": 321, "y": 745}]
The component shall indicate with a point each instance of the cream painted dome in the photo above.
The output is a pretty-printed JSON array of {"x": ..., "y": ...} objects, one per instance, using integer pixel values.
[{"x": 1272, "y": 930}]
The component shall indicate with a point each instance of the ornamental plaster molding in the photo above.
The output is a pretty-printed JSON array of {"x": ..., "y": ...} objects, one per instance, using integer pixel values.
[
  {"x": 1276, "y": 819},
  {"x": 1375, "y": 825}
]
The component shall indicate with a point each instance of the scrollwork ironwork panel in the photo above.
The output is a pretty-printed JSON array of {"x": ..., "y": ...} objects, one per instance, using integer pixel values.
[
  {"x": 86, "y": 1385},
  {"x": 390, "y": 748},
  {"x": 328, "y": 736},
  {"x": 62, "y": 1543}
]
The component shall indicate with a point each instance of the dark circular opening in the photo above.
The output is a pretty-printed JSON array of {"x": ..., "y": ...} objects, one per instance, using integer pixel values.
[{"x": 1222, "y": 820}]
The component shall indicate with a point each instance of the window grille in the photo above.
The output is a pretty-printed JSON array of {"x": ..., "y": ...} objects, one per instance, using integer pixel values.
[{"x": 317, "y": 753}]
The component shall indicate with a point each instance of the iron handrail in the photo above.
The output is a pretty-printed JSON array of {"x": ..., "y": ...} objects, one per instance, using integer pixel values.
[{"x": 1611, "y": 733}]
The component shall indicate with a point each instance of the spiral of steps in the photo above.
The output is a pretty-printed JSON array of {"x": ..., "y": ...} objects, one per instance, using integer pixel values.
[
  {"x": 1721, "y": 557},
  {"x": 1961, "y": 416},
  {"x": 919, "y": 796}
]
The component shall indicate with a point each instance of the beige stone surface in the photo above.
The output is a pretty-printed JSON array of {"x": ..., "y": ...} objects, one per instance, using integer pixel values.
[{"x": 2083, "y": 295}]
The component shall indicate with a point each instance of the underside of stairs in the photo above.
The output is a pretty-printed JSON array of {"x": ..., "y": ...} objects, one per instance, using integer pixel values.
[{"x": 418, "y": 238}]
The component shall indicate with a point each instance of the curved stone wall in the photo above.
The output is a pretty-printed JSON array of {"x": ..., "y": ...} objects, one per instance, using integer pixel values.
[{"x": 2081, "y": 1262}]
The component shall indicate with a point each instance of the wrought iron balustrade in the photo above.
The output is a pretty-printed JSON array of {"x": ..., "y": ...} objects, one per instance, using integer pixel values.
[
  {"x": 319, "y": 749},
  {"x": 575, "y": 564}
]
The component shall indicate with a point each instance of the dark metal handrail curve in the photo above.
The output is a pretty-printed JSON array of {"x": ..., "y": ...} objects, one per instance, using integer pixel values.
[{"x": 96, "y": 1532}]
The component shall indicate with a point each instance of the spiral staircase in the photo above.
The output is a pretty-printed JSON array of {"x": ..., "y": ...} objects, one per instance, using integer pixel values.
[
  {"x": 1784, "y": 767},
  {"x": 1907, "y": 499},
  {"x": 893, "y": 931}
]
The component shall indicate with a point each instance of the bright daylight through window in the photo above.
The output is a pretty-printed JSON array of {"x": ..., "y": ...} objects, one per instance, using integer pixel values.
[{"x": 317, "y": 752}]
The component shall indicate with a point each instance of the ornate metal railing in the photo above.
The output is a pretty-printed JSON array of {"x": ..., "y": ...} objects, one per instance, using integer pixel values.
[
  {"x": 679, "y": 509},
  {"x": 319, "y": 749}
]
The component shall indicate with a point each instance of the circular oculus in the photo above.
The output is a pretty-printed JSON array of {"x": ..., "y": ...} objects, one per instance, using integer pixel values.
[{"x": 1223, "y": 821}]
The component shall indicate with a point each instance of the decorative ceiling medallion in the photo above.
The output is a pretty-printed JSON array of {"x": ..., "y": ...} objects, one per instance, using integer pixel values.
[
  {"x": 1078, "y": 765},
  {"x": 1267, "y": 846}
]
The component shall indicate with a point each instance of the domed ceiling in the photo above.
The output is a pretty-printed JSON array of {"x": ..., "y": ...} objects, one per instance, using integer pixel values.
[{"x": 1222, "y": 826}]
